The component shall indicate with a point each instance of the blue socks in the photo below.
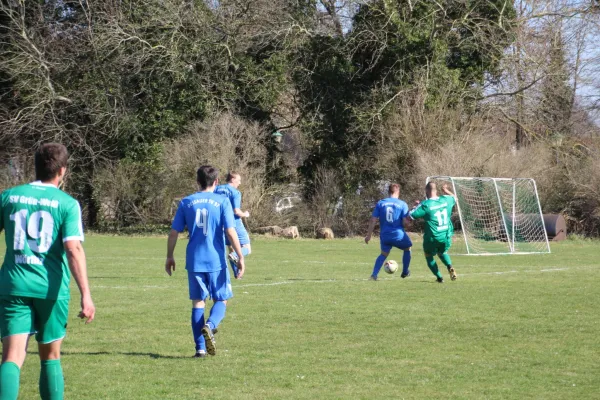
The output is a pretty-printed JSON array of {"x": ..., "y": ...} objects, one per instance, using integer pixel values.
[
  {"x": 197, "y": 325},
  {"x": 406, "y": 262},
  {"x": 406, "y": 257},
  {"x": 378, "y": 264},
  {"x": 217, "y": 313}
]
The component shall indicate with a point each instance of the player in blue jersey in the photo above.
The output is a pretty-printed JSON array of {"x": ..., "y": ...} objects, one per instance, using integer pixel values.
[
  {"x": 206, "y": 215},
  {"x": 230, "y": 189},
  {"x": 391, "y": 213}
]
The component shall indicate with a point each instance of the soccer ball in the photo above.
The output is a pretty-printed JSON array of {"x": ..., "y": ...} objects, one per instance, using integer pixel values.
[{"x": 390, "y": 266}]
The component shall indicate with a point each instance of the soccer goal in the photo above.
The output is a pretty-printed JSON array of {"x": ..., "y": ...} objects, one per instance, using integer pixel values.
[{"x": 496, "y": 216}]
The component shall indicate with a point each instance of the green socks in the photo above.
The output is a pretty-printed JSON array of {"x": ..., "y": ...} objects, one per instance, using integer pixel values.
[
  {"x": 433, "y": 266},
  {"x": 9, "y": 381},
  {"x": 52, "y": 384},
  {"x": 445, "y": 259}
]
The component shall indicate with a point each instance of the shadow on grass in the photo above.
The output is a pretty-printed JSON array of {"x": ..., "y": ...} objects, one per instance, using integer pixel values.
[
  {"x": 120, "y": 353},
  {"x": 428, "y": 282}
]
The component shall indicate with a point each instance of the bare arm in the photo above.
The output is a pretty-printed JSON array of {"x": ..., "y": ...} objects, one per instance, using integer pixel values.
[
  {"x": 171, "y": 243},
  {"x": 235, "y": 243},
  {"x": 372, "y": 223},
  {"x": 446, "y": 190},
  {"x": 78, "y": 267},
  {"x": 240, "y": 213}
]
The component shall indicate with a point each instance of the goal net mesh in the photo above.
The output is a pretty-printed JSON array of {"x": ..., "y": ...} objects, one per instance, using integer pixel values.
[{"x": 496, "y": 216}]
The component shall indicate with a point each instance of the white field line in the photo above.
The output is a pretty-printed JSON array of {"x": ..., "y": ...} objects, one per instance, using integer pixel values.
[
  {"x": 382, "y": 278},
  {"x": 160, "y": 260},
  {"x": 286, "y": 283}
]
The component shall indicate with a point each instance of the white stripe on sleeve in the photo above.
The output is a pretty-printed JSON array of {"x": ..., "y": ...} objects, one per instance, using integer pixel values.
[{"x": 68, "y": 238}]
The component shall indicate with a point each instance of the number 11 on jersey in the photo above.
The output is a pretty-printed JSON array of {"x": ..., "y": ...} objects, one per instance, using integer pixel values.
[{"x": 442, "y": 218}]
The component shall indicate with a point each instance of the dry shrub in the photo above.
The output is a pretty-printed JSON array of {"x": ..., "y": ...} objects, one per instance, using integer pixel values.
[
  {"x": 227, "y": 142},
  {"x": 352, "y": 217},
  {"x": 443, "y": 141},
  {"x": 131, "y": 193},
  {"x": 413, "y": 130},
  {"x": 325, "y": 197},
  {"x": 298, "y": 213},
  {"x": 7, "y": 179},
  {"x": 231, "y": 144},
  {"x": 420, "y": 143},
  {"x": 484, "y": 155},
  {"x": 16, "y": 168},
  {"x": 576, "y": 192},
  {"x": 568, "y": 181},
  {"x": 345, "y": 210},
  {"x": 145, "y": 193}
]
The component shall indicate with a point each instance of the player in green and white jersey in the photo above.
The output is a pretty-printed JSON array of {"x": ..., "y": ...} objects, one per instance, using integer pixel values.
[
  {"x": 437, "y": 239},
  {"x": 43, "y": 234}
]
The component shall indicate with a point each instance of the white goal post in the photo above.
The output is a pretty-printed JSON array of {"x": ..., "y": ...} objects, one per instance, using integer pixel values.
[{"x": 496, "y": 216}]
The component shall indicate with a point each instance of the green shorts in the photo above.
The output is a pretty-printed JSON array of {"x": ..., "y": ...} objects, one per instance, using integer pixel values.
[
  {"x": 46, "y": 318},
  {"x": 433, "y": 247}
]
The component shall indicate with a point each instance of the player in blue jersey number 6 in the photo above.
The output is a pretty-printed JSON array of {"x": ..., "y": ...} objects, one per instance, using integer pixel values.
[
  {"x": 206, "y": 215},
  {"x": 391, "y": 213}
]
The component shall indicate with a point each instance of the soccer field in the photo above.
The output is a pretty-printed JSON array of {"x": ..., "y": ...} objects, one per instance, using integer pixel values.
[{"x": 305, "y": 323}]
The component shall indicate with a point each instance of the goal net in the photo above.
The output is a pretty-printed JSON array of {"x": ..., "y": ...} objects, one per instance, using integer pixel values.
[{"x": 496, "y": 216}]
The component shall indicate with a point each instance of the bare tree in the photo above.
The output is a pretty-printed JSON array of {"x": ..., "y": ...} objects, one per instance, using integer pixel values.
[{"x": 543, "y": 27}]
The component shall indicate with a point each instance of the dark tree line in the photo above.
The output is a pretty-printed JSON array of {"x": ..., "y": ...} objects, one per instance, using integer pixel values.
[{"x": 117, "y": 81}]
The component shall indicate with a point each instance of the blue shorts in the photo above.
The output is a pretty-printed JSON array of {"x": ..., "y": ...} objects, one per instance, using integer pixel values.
[
  {"x": 214, "y": 284},
  {"x": 387, "y": 244},
  {"x": 241, "y": 232}
]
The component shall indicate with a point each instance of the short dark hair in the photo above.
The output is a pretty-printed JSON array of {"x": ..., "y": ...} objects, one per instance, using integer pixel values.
[
  {"x": 394, "y": 187},
  {"x": 430, "y": 188},
  {"x": 49, "y": 159},
  {"x": 206, "y": 176},
  {"x": 231, "y": 175}
]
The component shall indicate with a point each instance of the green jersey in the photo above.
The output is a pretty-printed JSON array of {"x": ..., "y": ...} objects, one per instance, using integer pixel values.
[
  {"x": 38, "y": 219},
  {"x": 436, "y": 212}
]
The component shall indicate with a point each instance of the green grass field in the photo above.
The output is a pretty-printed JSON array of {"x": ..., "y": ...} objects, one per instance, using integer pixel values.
[{"x": 306, "y": 324}]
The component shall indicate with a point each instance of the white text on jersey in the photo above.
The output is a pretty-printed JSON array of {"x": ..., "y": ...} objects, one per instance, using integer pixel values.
[
  {"x": 21, "y": 259},
  {"x": 200, "y": 201},
  {"x": 32, "y": 201}
]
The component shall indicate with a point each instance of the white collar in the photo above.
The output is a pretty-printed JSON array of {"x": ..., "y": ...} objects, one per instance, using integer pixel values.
[
  {"x": 40, "y": 183},
  {"x": 433, "y": 198}
]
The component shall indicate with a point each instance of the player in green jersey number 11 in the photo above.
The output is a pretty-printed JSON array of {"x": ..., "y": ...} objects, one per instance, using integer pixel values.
[
  {"x": 437, "y": 238},
  {"x": 43, "y": 233}
]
